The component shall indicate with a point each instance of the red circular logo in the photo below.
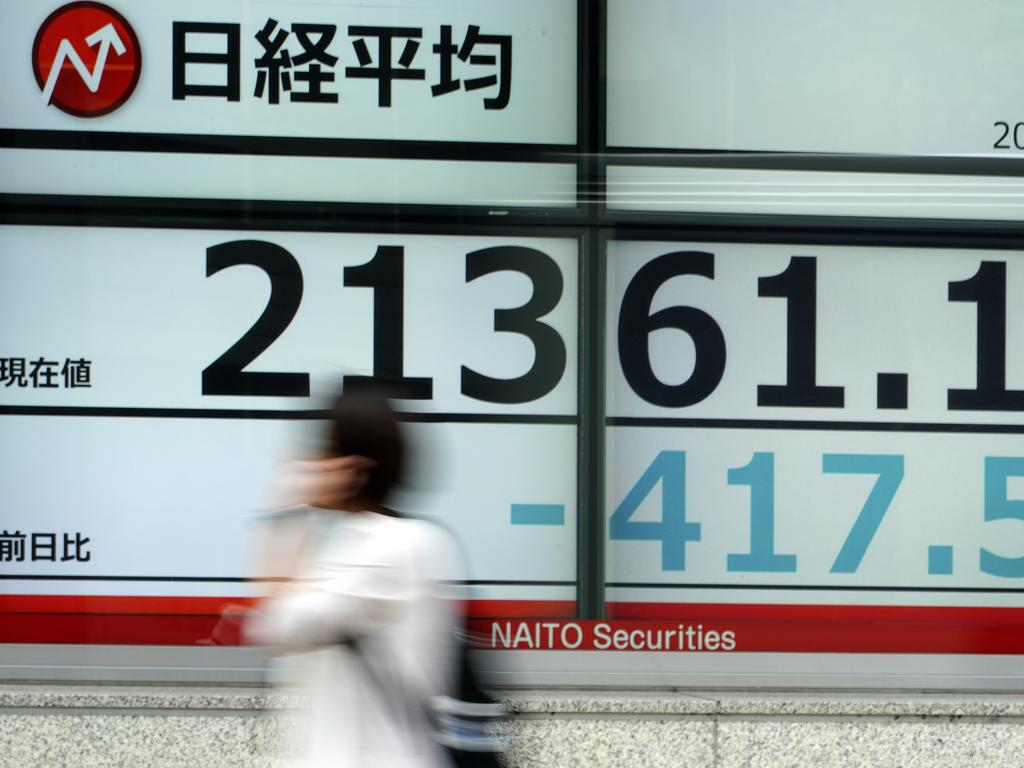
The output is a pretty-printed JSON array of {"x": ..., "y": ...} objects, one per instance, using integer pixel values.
[{"x": 87, "y": 59}]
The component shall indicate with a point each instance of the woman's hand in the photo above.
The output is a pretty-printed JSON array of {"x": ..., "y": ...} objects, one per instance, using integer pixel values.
[
  {"x": 329, "y": 483},
  {"x": 336, "y": 482}
]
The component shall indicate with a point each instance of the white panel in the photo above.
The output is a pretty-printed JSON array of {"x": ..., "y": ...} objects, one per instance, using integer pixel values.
[
  {"x": 138, "y": 305},
  {"x": 917, "y": 77},
  {"x": 178, "y": 499},
  {"x": 174, "y": 488},
  {"x": 878, "y": 310},
  {"x": 543, "y": 77},
  {"x": 289, "y": 179},
  {"x": 940, "y": 501},
  {"x": 892, "y": 495}
]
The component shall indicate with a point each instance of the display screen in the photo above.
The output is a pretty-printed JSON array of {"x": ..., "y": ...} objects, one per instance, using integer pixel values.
[{"x": 706, "y": 318}]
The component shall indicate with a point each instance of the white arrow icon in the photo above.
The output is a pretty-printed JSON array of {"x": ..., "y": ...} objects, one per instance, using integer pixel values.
[{"x": 106, "y": 36}]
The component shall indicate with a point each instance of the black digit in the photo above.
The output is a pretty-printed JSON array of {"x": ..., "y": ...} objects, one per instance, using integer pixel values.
[
  {"x": 636, "y": 323},
  {"x": 549, "y": 349},
  {"x": 225, "y": 375},
  {"x": 988, "y": 289},
  {"x": 798, "y": 284},
  {"x": 385, "y": 274},
  {"x": 1016, "y": 136},
  {"x": 1006, "y": 132}
]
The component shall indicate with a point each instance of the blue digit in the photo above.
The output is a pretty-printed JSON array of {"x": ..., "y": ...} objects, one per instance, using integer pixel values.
[
  {"x": 890, "y": 474},
  {"x": 997, "y": 507},
  {"x": 673, "y": 531},
  {"x": 759, "y": 474}
]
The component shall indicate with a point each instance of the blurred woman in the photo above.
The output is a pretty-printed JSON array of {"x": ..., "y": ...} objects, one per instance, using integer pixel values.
[{"x": 364, "y": 602}]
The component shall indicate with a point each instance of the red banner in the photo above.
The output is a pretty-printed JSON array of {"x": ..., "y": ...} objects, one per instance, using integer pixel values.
[{"x": 547, "y": 625}]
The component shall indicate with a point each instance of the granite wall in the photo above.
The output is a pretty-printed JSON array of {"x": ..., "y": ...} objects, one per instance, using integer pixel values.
[{"x": 49, "y": 725}]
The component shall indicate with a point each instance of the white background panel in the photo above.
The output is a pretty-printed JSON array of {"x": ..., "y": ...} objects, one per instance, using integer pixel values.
[
  {"x": 543, "y": 53},
  {"x": 285, "y": 178},
  {"x": 183, "y": 497},
  {"x": 879, "y": 309},
  {"x": 803, "y": 76},
  {"x": 138, "y": 304},
  {"x": 940, "y": 501}
]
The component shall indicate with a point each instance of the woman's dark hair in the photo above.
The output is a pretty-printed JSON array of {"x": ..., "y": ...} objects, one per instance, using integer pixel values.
[{"x": 363, "y": 424}]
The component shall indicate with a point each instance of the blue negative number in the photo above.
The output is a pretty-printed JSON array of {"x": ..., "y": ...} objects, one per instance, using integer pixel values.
[
  {"x": 668, "y": 468},
  {"x": 890, "y": 474},
  {"x": 998, "y": 470},
  {"x": 759, "y": 474}
]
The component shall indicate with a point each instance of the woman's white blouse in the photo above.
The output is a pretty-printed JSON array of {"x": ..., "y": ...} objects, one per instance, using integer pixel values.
[{"x": 375, "y": 579}]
